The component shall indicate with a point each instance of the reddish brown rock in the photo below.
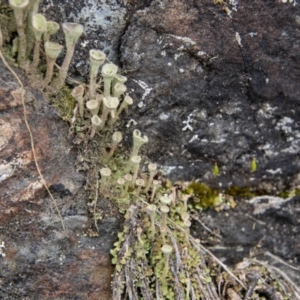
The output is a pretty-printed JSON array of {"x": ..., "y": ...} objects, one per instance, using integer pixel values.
[{"x": 37, "y": 261}]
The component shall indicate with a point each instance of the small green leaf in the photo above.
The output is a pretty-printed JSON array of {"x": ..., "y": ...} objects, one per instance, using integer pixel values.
[
  {"x": 253, "y": 165},
  {"x": 216, "y": 170}
]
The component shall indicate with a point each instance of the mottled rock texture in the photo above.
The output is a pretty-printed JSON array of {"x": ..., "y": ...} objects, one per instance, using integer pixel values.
[
  {"x": 208, "y": 88},
  {"x": 37, "y": 261},
  {"x": 235, "y": 78}
]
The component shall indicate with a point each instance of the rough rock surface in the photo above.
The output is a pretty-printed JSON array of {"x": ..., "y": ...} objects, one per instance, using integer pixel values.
[
  {"x": 37, "y": 261},
  {"x": 234, "y": 80}
]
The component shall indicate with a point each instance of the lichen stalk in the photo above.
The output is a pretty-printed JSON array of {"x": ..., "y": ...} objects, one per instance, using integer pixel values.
[
  {"x": 151, "y": 209},
  {"x": 125, "y": 103},
  {"x": 105, "y": 173},
  {"x": 164, "y": 212},
  {"x": 93, "y": 106},
  {"x": 118, "y": 90},
  {"x": 187, "y": 225},
  {"x": 166, "y": 250},
  {"x": 96, "y": 123},
  {"x": 128, "y": 178},
  {"x": 97, "y": 58},
  {"x": 163, "y": 231},
  {"x": 139, "y": 183},
  {"x": 77, "y": 94},
  {"x": 108, "y": 72},
  {"x": 138, "y": 142},
  {"x": 121, "y": 182},
  {"x": 118, "y": 79},
  {"x": 39, "y": 26},
  {"x": 30, "y": 12},
  {"x": 152, "y": 168},
  {"x": 52, "y": 28},
  {"x": 109, "y": 104},
  {"x": 155, "y": 185},
  {"x": 72, "y": 33},
  {"x": 52, "y": 52},
  {"x": 135, "y": 164},
  {"x": 19, "y": 8},
  {"x": 116, "y": 139}
]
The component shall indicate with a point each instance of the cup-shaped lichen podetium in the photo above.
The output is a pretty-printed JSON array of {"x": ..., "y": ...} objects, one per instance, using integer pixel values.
[
  {"x": 118, "y": 79},
  {"x": 152, "y": 172},
  {"x": 187, "y": 224},
  {"x": 77, "y": 94},
  {"x": 165, "y": 200},
  {"x": 109, "y": 104},
  {"x": 93, "y": 106},
  {"x": 166, "y": 250},
  {"x": 119, "y": 89},
  {"x": 121, "y": 182},
  {"x": 116, "y": 139},
  {"x": 39, "y": 25},
  {"x": 52, "y": 28},
  {"x": 138, "y": 142},
  {"x": 96, "y": 123},
  {"x": 164, "y": 212},
  {"x": 126, "y": 101},
  {"x": 139, "y": 184},
  {"x": 105, "y": 173},
  {"x": 97, "y": 58},
  {"x": 31, "y": 10},
  {"x": 155, "y": 185},
  {"x": 128, "y": 178},
  {"x": 151, "y": 210},
  {"x": 19, "y": 7},
  {"x": 72, "y": 33},
  {"x": 134, "y": 165},
  {"x": 108, "y": 72},
  {"x": 52, "y": 52}
]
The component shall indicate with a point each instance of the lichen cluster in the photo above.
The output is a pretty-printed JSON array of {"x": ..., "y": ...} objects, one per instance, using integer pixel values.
[{"x": 155, "y": 256}]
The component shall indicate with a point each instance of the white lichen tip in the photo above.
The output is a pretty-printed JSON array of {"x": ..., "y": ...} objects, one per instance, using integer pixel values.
[
  {"x": 72, "y": 33},
  {"x": 121, "y": 181},
  {"x": 164, "y": 209},
  {"x": 18, "y": 4},
  {"x": 165, "y": 200},
  {"x": 105, "y": 172},
  {"x": 151, "y": 208},
  {"x": 111, "y": 102},
  {"x": 73, "y": 29},
  {"x": 109, "y": 70},
  {"x": 117, "y": 137},
  {"x": 140, "y": 182},
  {"x": 97, "y": 56},
  {"x": 128, "y": 177},
  {"x": 53, "y": 49},
  {"x": 185, "y": 216},
  {"x": 136, "y": 159},
  {"x": 96, "y": 120},
  {"x": 39, "y": 24},
  {"x": 166, "y": 249}
]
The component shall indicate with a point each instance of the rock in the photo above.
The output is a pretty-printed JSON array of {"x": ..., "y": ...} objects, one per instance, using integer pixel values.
[
  {"x": 37, "y": 261},
  {"x": 210, "y": 87}
]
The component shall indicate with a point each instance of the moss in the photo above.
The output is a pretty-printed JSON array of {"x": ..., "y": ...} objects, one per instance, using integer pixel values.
[
  {"x": 203, "y": 195},
  {"x": 290, "y": 193},
  {"x": 244, "y": 192},
  {"x": 64, "y": 103},
  {"x": 7, "y": 21}
]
